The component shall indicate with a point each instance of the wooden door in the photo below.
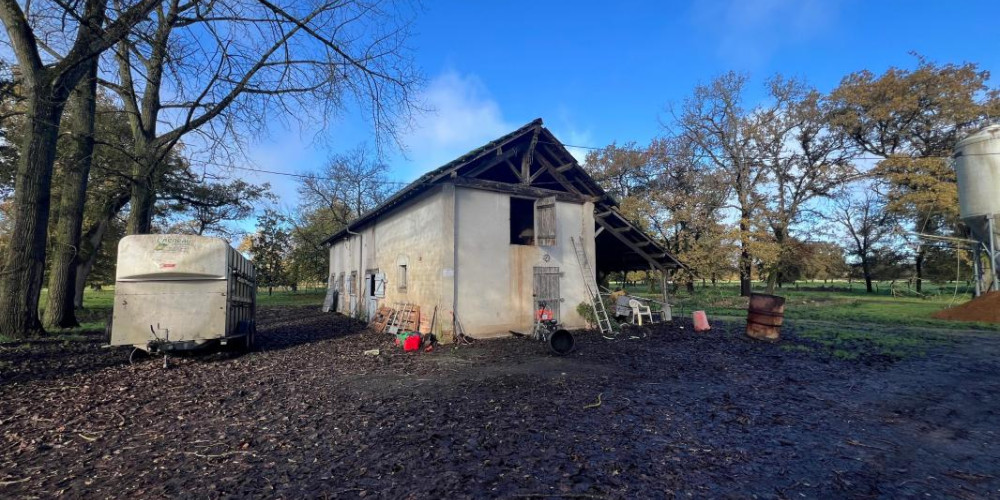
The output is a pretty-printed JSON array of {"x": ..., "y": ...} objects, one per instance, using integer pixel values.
[{"x": 546, "y": 289}]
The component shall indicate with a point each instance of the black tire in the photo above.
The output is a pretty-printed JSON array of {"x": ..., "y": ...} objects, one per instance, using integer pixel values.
[{"x": 250, "y": 340}]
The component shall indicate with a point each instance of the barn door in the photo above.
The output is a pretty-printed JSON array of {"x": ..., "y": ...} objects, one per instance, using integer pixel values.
[
  {"x": 546, "y": 289},
  {"x": 374, "y": 288}
]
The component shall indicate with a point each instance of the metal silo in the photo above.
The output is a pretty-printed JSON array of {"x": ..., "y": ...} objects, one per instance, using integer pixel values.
[{"x": 977, "y": 164}]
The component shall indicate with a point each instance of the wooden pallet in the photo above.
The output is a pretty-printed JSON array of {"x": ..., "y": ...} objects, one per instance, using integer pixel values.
[
  {"x": 382, "y": 317},
  {"x": 405, "y": 318}
]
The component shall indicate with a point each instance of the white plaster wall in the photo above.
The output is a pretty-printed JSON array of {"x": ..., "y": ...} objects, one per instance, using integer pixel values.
[
  {"x": 495, "y": 278},
  {"x": 413, "y": 230},
  {"x": 344, "y": 259}
]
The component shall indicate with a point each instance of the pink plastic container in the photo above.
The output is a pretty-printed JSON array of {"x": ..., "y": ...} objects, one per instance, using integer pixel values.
[{"x": 700, "y": 321}]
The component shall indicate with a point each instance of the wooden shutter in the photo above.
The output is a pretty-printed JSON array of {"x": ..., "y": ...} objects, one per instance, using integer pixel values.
[
  {"x": 380, "y": 285},
  {"x": 545, "y": 221}
]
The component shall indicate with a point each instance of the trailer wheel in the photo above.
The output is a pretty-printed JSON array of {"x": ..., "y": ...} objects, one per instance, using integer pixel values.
[{"x": 250, "y": 340}]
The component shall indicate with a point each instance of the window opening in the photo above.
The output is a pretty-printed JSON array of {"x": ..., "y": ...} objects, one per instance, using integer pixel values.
[{"x": 522, "y": 221}]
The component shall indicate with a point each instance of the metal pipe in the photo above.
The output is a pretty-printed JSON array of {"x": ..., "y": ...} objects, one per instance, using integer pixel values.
[
  {"x": 357, "y": 284},
  {"x": 977, "y": 272},
  {"x": 456, "y": 324},
  {"x": 943, "y": 238},
  {"x": 993, "y": 251}
]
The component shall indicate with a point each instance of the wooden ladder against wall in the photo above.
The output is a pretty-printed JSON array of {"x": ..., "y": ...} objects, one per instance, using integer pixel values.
[{"x": 593, "y": 292}]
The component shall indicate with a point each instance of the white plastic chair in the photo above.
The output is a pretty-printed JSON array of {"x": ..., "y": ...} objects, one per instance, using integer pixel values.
[{"x": 639, "y": 310}]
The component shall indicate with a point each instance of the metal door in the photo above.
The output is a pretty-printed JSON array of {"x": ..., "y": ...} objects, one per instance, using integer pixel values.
[{"x": 546, "y": 289}]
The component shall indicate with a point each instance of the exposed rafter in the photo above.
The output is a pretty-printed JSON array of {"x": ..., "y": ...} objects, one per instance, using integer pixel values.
[
  {"x": 566, "y": 166},
  {"x": 526, "y": 176},
  {"x": 501, "y": 157},
  {"x": 635, "y": 248},
  {"x": 517, "y": 173},
  {"x": 519, "y": 189}
]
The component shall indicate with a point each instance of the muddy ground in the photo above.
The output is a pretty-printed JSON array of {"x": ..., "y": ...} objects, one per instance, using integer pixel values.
[{"x": 675, "y": 413}]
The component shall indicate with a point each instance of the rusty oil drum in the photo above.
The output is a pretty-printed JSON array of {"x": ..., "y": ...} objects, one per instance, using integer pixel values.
[{"x": 765, "y": 316}]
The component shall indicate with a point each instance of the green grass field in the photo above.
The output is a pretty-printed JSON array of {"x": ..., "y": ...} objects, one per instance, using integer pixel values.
[
  {"x": 97, "y": 305},
  {"x": 104, "y": 298},
  {"x": 837, "y": 303},
  {"x": 843, "y": 320}
]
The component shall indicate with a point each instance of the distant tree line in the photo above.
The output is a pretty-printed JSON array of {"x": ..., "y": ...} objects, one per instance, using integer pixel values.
[{"x": 785, "y": 182}]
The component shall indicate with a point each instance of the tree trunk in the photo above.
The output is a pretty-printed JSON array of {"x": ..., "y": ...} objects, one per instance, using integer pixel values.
[
  {"x": 774, "y": 275},
  {"x": 140, "y": 218},
  {"x": 24, "y": 264},
  {"x": 62, "y": 274},
  {"x": 90, "y": 246},
  {"x": 745, "y": 264},
  {"x": 866, "y": 269},
  {"x": 919, "y": 261}
]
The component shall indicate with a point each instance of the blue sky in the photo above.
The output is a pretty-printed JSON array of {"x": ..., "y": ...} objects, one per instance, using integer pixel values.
[{"x": 598, "y": 72}]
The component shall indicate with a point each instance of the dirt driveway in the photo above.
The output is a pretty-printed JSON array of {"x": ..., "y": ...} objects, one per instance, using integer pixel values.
[{"x": 676, "y": 413}]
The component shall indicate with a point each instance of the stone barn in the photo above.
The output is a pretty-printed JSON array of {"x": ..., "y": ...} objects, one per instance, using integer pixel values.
[{"x": 479, "y": 241}]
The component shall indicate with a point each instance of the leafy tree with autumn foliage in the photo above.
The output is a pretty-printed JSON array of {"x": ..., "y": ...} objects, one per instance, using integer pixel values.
[
  {"x": 913, "y": 119},
  {"x": 686, "y": 201},
  {"x": 668, "y": 192}
]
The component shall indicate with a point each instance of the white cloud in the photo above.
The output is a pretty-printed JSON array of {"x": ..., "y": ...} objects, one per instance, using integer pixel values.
[
  {"x": 748, "y": 32},
  {"x": 462, "y": 115}
]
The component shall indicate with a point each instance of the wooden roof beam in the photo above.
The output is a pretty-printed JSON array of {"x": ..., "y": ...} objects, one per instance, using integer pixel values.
[
  {"x": 642, "y": 253},
  {"x": 559, "y": 169},
  {"x": 500, "y": 157},
  {"x": 560, "y": 178},
  {"x": 518, "y": 189},
  {"x": 526, "y": 176},
  {"x": 517, "y": 173}
]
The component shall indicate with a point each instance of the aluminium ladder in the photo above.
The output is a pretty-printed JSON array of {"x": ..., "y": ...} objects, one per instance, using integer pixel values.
[{"x": 593, "y": 292}]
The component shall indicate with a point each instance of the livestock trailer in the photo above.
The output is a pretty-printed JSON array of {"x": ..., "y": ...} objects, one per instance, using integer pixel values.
[{"x": 177, "y": 292}]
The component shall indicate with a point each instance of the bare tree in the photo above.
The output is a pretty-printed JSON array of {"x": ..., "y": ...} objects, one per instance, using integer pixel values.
[
  {"x": 864, "y": 216},
  {"x": 223, "y": 69},
  {"x": 47, "y": 77},
  {"x": 352, "y": 183}
]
